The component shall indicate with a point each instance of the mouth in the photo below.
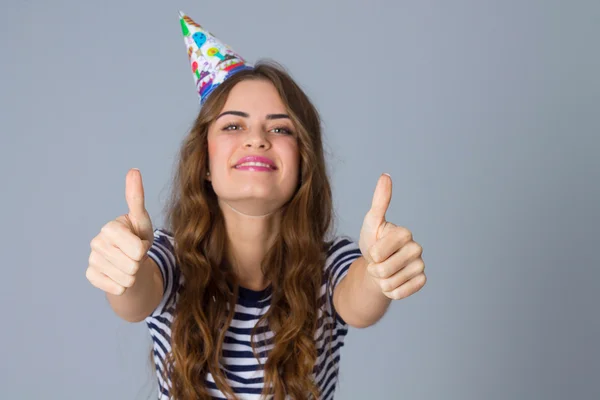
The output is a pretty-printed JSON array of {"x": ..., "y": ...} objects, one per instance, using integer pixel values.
[
  {"x": 256, "y": 166},
  {"x": 255, "y": 163}
]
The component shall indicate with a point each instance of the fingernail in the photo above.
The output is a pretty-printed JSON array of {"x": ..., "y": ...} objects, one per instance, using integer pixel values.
[
  {"x": 136, "y": 168},
  {"x": 385, "y": 173}
]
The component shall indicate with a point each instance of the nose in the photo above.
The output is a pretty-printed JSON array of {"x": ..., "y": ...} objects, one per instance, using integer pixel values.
[{"x": 257, "y": 139}]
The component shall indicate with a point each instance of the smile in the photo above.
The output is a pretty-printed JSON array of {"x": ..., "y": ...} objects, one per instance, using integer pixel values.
[{"x": 254, "y": 166}]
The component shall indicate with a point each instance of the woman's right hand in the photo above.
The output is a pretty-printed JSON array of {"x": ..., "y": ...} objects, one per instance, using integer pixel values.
[{"x": 121, "y": 247}]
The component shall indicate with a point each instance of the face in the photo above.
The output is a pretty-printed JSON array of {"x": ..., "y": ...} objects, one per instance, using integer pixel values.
[{"x": 253, "y": 124}]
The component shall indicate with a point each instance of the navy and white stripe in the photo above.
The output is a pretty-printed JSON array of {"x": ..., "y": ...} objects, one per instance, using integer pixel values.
[{"x": 244, "y": 374}]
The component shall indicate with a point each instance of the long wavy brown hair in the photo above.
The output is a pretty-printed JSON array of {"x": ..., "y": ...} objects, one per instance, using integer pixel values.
[{"x": 294, "y": 264}]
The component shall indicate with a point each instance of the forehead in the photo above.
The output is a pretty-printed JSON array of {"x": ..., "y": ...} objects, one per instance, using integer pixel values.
[{"x": 254, "y": 96}]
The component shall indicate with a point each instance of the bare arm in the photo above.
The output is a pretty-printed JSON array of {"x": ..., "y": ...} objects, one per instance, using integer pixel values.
[
  {"x": 119, "y": 263},
  {"x": 358, "y": 299}
]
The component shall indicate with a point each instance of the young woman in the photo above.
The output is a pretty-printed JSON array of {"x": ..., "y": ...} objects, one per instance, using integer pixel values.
[{"x": 245, "y": 292}]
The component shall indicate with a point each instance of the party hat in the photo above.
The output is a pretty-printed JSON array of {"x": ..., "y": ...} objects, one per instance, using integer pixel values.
[{"x": 212, "y": 61}]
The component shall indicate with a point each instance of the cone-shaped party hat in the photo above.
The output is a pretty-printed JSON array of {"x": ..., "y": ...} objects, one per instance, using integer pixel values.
[{"x": 211, "y": 60}]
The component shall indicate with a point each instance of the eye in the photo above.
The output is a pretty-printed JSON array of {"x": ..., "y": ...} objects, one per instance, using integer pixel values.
[
  {"x": 232, "y": 127},
  {"x": 283, "y": 130}
]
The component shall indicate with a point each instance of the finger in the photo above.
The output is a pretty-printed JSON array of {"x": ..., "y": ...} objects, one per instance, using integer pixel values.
[
  {"x": 116, "y": 233},
  {"x": 407, "y": 289},
  {"x": 394, "y": 263},
  {"x": 381, "y": 198},
  {"x": 134, "y": 194},
  {"x": 138, "y": 217},
  {"x": 114, "y": 256},
  {"x": 102, "y": 265},
  {"x": 103, "y": 282},
  {"x": 390, "y": 243},
  {"x": 413, "y": 269}
]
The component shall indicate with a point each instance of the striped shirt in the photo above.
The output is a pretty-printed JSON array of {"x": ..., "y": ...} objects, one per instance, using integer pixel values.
[{"x": 242, "y": 370}]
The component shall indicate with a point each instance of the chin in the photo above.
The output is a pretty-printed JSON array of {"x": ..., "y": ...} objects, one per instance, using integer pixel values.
[
  {"x": 250, "y": 207},
  {"x": 262, "y": 197}
]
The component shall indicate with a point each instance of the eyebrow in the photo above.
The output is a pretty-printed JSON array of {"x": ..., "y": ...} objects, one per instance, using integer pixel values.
[{"x": 246, "y": 115}]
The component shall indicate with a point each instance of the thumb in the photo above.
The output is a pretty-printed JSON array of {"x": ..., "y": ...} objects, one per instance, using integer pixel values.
[
  {"x": 138, "y": 216},
  {"x": 381, "y": 198}
]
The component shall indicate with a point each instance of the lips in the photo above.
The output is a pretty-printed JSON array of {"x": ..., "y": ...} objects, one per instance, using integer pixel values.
[{"x": 257, "y": 159}]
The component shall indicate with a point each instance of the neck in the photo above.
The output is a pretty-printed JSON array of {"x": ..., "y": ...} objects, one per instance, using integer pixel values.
[{"x": 250, "y": 237}]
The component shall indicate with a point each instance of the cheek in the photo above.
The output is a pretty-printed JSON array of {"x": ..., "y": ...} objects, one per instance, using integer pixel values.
[
  {"x": 218, "y": 152},
  {"x": 292, "y": 157},
  {"x": 295, "y": 155},
  {"x": 211, "y": 148}
]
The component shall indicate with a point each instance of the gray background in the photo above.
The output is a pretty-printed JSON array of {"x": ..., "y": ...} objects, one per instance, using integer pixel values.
[{"x": 484, "y": 113}]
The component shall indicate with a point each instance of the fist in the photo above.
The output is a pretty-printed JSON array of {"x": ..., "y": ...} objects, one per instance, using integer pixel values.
[
  {"x": 122, "y": 245},
  {"x": 394, "y": 259}
]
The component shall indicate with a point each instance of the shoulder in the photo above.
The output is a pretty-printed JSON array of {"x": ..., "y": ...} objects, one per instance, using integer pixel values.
[
  {"x": 162, "y": 249},
  {"x": 163, "y": 234},
  {"x": 163, "y": 254},
  {"x": 163, "y": 241},
  {"x": 340, "y": 247},
  {"x": 341, "y": 251}
]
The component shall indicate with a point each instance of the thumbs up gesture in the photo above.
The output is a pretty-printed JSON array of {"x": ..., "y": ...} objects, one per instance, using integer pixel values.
[
  {"x": 120, "y": 248},
  {"x": 394, "y": 259}
]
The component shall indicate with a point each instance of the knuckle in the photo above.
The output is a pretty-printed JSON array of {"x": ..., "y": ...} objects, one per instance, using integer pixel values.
[
  {"x": 374, "y": 254},
  {"x": 129, "y": 281},
  {"x": 107, "y": 228},
  {"x": 89, "y": 274},
  {"x": 405, "y": 234},
  {"x": 131, "y": 268},
  {"x": 110, "y": 229},
  {"x": 398, "y": 294},
  {"x": 417, "y": 248},
  {"x": 95, "y": 243},
  {"x": 134, "y": 268},
  {"x": 375, "y": 272},
  {"x": 95, "y": 279},
  {"x": 95, "y": 258},
  {"x": 118, "y": 290},
  {"x": 138, "y": 253},
  {"x": 386, "y": 285},
  {"x": 141, "y": 251}
]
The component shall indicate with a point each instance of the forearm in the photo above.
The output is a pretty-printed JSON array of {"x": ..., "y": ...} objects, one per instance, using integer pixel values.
[{"x": 360, "y": 301}]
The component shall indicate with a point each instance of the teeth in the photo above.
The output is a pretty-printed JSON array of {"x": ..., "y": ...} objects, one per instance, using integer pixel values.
[{"x": 253, "y": 164}]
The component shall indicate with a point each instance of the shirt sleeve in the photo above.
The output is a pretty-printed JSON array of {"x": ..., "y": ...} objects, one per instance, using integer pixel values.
[
  {"x": 162, "y": 252},
  {"x": 340, "y": 255}
]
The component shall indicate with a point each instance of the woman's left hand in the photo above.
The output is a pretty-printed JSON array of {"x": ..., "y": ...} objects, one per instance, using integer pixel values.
[{"x": 393, "y": 257}]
